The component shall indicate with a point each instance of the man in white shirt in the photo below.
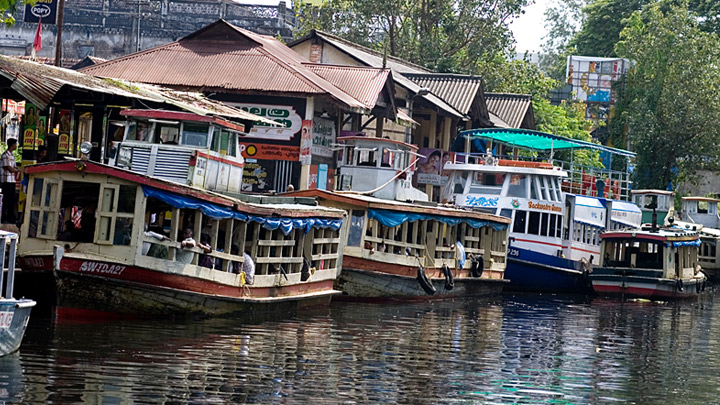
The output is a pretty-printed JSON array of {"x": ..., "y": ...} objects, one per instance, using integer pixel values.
[{"x": 8, "y": 171}]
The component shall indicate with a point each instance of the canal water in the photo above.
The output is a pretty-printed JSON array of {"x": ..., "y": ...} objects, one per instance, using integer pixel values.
[{"x": 516, "y": 349}]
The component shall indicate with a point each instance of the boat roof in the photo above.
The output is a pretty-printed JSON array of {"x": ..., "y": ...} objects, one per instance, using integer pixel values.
[
  {"x": 652, "y": 191},
  {"x": 182, "y": 116},
  {"x": 278, "y": 210},
  {"x": 661, "y": 234},
  {"x": 365, "y": 201},
  {"x": 708, "y": 199},
  {"x": 501, "y": 168},
  {"x": 536, "y": 140}
]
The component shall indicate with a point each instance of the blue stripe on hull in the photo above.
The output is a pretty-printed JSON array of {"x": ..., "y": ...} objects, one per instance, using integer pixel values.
[{"x": 538, "y": 272}]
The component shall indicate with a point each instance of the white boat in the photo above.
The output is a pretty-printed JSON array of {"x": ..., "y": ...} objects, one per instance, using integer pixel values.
[
  {"x": 14, "y": 313},
  {"x": 555, "y": 232}
]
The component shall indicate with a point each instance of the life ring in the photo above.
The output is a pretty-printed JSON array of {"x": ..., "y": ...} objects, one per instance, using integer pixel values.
[
  {"x": 449, "y": 278},
  {"x": 679, "y": 284},
  {"x": 425, "y": 282},
  {"x": 477, "y": 267}
]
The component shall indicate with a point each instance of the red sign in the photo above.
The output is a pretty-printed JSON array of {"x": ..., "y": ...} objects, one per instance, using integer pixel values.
[{"x": 269, "y": 152}]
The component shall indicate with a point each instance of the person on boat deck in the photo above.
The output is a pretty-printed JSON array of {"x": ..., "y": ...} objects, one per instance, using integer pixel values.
[
  {"x": 248, "y": 267},
  {"x": 205, "y": 260},
  {"x": 600, "y": 185},
  {"x": 154, "y": 249},
  {"x": 185, "y": 256}
]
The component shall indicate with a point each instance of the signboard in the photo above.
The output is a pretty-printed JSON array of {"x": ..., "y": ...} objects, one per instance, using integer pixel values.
[
  {"x": 44, "y": 10},
  {"x": 30, "y": 123},
  {"x": 323, "y": 137},
  {"x": 306, "y": 143},
  {"x": 284, "y": 114},
  {"x": 591, "y": 78},
  {"x": 251, "y": 150},
  {"x": 18, "y": 108},
  {"x": 65, "y": 138},
  {"x": 429, "y": 169}
]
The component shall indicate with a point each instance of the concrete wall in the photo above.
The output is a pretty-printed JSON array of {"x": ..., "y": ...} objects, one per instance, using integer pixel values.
[{"x": 109, "y": 28}]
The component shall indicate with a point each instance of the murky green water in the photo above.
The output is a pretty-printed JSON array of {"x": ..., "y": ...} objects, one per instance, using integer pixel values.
[{"x": 518, "y": 349}]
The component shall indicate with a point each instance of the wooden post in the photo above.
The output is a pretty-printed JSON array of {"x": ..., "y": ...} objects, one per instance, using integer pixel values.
[{"x": 58, "y": 41}]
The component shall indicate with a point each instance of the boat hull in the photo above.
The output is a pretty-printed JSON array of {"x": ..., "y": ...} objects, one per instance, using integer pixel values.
[
  {"x": 368, "y": 280},
  {"x": 14, "y": 317},
  {"x": 638, "y": 286},
  {"x": 530, "y": 271},
  {"x": 109, "y": 290}
]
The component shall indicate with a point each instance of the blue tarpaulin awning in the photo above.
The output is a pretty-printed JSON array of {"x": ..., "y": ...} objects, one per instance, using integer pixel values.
[{"x": 395, "y": 218}]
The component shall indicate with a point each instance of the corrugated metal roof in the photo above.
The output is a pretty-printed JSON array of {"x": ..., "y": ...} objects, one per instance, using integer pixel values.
[
  {"x": 457, "y": 90},
  {"x": 39, "y": 83},
  {"x": 511, "y": 108},
  {"x": 398, "y": 66},
  {"x": 222, "y": 56},
  {"x": 365, "y": 84}
]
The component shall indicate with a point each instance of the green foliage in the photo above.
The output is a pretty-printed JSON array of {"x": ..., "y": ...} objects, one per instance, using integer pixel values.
[
  {"x": 670, "y": 107},
  {"x": 561, "y": 22},
  {"x": 446, "y": 36},
  {"x": 603, "y": 21}
]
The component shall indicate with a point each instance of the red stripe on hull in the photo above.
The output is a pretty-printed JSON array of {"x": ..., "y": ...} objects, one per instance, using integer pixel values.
[{"x": 399, "y": 269}]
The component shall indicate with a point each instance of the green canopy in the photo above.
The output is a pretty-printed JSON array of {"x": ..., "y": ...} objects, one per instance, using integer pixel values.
[{"x": 535, "y": 140}]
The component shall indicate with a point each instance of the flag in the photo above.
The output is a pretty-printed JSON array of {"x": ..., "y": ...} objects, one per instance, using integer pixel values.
[{"x": 37, "y": 42}]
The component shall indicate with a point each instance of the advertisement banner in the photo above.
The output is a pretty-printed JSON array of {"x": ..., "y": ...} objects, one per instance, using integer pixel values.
[
  {"x": 591, "y": 78},
  {"x": 30, "y": 125},
  {"x": 42, "y": 9},
  {"x": 64, "y": 146},
  {"x": 430, "y": 170},
  {"x": 306, "y": 142},
  {"x": 270, "y": 152},
  {"x": 284, "y": 114},
  {"x": 323, "y": 137}
]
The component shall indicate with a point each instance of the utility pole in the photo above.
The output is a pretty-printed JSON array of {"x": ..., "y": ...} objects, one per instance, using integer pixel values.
[{"x": 58, "y": 40}]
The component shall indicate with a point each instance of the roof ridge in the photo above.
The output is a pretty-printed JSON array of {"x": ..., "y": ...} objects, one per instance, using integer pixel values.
[
  {"x": 131, "y": 56},
  {"x": 372, "y": 51}
]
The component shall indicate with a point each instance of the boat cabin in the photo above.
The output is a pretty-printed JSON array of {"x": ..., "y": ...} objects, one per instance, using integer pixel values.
[
  {"x": 382, "y": 167},
  {"x": 196, "y": 150},
  {"x": 667, "y": 252},
  {"x": 662, "y": 201},
  {"x": 701, "y": 210}
]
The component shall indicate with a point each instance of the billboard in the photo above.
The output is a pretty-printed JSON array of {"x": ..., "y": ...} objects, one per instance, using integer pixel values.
[
  {"x": 591, "y": 78},
  {"x": 430, "y": 167},
  {"x": 42, "y": 10}
]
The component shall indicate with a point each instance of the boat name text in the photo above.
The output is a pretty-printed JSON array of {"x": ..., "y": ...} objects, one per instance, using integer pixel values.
[
  {"x": 6, "y": 318},
  {"x": 472, "y": 201},
  {"x": 544, "y": 207},
  {"x": 95, "y": 267}
]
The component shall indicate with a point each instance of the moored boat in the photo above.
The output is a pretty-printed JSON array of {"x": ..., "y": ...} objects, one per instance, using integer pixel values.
[
  {"x": 399, "y": 245},
  {"x": 557, "y": 213},
  {"x": 110, "y": 240},
  {"x": 701, "y": 214},
  {"x": 652, "y": 263},
  {"x": 14, "y": 313}
]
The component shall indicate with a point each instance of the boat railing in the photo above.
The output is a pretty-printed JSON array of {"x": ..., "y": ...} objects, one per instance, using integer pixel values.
[
  {"x": 582, "y": 179},
  {"x": 8, "y": 254}
]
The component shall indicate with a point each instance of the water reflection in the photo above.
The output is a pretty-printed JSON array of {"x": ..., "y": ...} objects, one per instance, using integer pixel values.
[{"x": 521, "y": 349}]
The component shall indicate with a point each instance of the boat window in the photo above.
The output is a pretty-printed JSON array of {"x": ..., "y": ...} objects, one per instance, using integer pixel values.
[
  {"x": 552, "y": 229},
  {"x": 388, "y": 158},
  {"x": 638, "y": 200},
  {"x": 506, "y": 212},
  {"x": 533, "y": 188},
  {"x": 534, "y": 223},
  {"x": 518, "y": 186},
  {"x": 167, "y": 133},
  {"x": 544, "y": 192},
  {"x": 139, "y": 131},
  {"x": 520, "y": 220},
  {"x": 43, "y": 209},
  {"x": 357, "y": 221},
  {"x": 702, "y": 207},
  {"x": 366, "y": 157},
  {"x": 117, "y": 206},
  {"x": 460, "y": 179},
  {"x": 487, "y": 183},
  {"x": 544, "y": 224},
  {"x": 195, "y": 134}
]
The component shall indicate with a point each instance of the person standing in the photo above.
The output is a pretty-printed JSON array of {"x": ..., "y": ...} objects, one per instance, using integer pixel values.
[{"x": 8, "y": 173}]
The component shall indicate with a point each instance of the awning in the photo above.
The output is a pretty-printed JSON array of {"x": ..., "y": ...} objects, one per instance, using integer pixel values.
[
  {"x": 535, "y": 140},
  {"x": 589, "y": 211},
  {"x": 392, "y": 219},
  {"x": 286, "y": 225},
  {"x": 626, "y": 213},
  {"x": 405, "y": 120}
]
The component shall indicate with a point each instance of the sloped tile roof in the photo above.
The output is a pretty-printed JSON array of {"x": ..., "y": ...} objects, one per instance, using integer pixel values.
[
  {"x": 362, "y": 83},
  {"x": 511, "y": 108},
  {"x": 460, "y": 91}
]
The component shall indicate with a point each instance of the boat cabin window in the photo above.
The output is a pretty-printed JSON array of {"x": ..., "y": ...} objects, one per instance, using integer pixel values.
[
  {"x": 195, "y": 134},
  {"x": 139, "y": 131},
  {"x": 43, "y": 209},
  {"x": 533, "y": 188},
  {"x": 520, "y": 221},
  {"x": 518, "y": 186},
  {"x": 487, "y": 183},
  {"x": 533, "y": 223},
  {"x": 115, "y": 216},
  {"x": 224, "y": 142},
  {"x": 702, "y": 207},
  {"x": 629, "y": 253},
  {"x": 389, "y": 157},
  {"x": 459, "y": 180},
  {"x": 366, "y": 157}
]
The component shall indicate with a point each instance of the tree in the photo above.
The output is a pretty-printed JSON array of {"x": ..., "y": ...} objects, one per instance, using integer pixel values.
[
  {"x": 562, "y": 21},
  {"x": 603, "y": 21},
  {"x": 446, "y": 36},
  {"x": 669, "y": 108}
]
